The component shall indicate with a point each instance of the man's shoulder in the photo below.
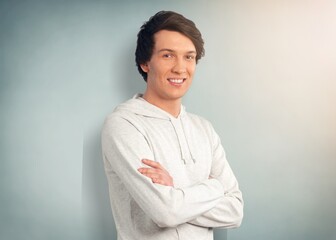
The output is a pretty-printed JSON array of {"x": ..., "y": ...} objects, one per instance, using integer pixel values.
[
  {"x": 119, "y": 117},
  {"x": 124, "y": 117},
  {"x": 121, "y": 110}
]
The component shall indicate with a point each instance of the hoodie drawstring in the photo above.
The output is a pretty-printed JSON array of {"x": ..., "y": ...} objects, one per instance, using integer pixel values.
[
  {"x": 183, "y": 155},
  {"x": 189, "y": 147},
  {"x": 179, "y": 142}
]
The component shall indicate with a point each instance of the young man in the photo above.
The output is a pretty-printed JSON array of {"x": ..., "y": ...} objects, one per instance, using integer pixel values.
[{"x": 167, "y": 172}]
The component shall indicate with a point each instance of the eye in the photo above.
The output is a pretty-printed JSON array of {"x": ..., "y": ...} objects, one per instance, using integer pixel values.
[
  {"x": 190, "y": 57},
  {"x": 167, "y": 55}
]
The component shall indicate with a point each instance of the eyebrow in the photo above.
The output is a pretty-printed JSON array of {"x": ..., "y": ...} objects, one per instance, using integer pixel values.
[{"x": 170, "y": 50}]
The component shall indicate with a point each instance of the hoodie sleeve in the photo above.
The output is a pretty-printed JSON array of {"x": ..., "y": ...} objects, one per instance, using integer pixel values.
[
  {"x": 228, "y": 213},
  {"x": 123, "y": 147}
]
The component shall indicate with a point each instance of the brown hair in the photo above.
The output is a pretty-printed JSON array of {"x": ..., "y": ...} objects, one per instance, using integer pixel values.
[{"x": 165, "y": 20}]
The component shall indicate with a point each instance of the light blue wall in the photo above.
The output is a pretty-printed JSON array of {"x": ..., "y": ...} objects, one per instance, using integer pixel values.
[{"x": 267, "y": 83}]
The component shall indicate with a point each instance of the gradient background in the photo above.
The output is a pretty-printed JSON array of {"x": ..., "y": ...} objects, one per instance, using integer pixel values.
[{"x": 267, "y": 83}]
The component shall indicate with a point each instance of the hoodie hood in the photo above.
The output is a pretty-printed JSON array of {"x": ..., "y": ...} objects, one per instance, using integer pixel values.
[{"x": 141, "y": 107}]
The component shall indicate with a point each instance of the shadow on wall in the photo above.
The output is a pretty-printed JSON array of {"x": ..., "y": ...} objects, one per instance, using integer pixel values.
[
  {"x": 98, "y": 220},
  {"x": 220, "y": 234}
]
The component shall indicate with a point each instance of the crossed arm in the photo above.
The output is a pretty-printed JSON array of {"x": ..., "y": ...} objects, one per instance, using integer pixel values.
[
  {"x": 216, "y": 217},
  {"x": 210, "y": 203}
]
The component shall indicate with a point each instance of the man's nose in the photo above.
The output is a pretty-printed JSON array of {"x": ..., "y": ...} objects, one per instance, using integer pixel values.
[{"x": 180, "y": 66}]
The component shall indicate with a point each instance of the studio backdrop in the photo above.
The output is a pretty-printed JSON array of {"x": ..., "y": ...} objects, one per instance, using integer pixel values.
[{"x": 267, "y": 83}]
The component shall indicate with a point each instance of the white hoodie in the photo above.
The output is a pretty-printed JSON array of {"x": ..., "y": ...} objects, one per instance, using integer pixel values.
[{"x": 205, "y": 193}]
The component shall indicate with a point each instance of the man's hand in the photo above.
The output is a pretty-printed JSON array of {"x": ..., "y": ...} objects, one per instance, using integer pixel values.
[{"x": 157, "y": 173}]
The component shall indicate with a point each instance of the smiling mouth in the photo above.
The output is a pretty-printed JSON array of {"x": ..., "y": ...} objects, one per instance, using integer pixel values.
[{"x": 176, "y": 81}]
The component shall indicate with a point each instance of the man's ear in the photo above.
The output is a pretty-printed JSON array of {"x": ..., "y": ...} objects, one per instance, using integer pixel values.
[{"x": 144, "y": 67}]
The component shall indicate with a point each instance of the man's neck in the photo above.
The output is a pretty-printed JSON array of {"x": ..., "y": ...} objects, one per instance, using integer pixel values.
[{"x": 172, "y": 107}]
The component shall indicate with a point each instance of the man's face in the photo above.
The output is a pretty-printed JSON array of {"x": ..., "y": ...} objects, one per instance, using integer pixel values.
[{"x": 171, "y": 68}]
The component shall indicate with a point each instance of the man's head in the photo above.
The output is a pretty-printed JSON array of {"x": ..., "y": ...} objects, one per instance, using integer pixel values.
[{"x": 165, "y": 20}]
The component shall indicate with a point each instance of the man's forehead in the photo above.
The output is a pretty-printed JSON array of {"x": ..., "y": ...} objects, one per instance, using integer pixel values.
[
  {"x": 173, "y": 50},
  {"x": 172, "y": 41}
]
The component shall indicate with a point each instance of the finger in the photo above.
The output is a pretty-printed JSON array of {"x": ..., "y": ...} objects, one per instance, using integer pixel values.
[
  {"x": 156, "y": 177},
  {"x": 152, "y": 175},
  {"x": 158, "y": 181},
  {"x": 151, "y": 170},
  {"x": 152, "y": 163},
  {"x": 161, "y": 181}
]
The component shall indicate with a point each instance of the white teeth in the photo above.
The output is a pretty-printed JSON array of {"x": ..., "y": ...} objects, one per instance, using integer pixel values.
[{"x": 176, "y": 80}]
